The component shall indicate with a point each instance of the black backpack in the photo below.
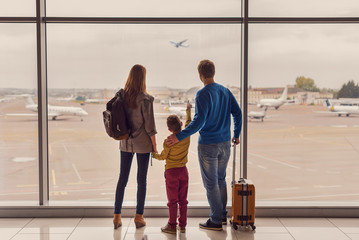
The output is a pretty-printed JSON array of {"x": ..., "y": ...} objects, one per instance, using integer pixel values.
[{"x": 115, "y": 119}]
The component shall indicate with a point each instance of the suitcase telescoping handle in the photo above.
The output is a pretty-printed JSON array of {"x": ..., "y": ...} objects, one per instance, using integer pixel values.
[{"x": 234, "y": 166}]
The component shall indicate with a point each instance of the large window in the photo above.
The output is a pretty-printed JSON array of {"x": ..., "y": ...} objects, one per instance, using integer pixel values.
[
  {"x": 89, "y": 63},
  {"x": 143, "y": 8},
  {"x": 18, "y": 123},
  {"x": 302, "y": 150},
  {"x": 303, "y": 8}
]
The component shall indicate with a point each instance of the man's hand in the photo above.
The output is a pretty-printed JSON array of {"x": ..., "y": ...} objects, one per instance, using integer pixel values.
[
  {"x": 171, "y": 140},
  {"x": 235, "y": 140}
]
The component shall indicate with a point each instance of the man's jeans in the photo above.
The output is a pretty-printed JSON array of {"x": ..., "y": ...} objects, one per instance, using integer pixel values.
[{"x": 213, "y": 160}]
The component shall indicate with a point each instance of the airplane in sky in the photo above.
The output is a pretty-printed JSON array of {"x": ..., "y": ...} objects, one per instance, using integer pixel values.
[
  {"x": 257, "y": 115},
  {"x": 179, "y": 44},
  {"x": 276, "y": 103},
  {"x": 53, "y": 111},
  {"x": 340, "y": 110}
]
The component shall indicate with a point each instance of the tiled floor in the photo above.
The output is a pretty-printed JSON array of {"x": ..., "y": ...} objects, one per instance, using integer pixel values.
[{"x": 101, "y": 229}]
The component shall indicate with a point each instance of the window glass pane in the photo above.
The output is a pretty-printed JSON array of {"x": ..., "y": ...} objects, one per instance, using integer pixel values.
[
  {"x": 303, "y": 8},
  {"x": 143, "y": 8},
  {"x": 90, "y": 62},
  {"x": 18, "y": 124},
  {"x": 10, "y": 8},
  {"x": 303, "y": 150}
]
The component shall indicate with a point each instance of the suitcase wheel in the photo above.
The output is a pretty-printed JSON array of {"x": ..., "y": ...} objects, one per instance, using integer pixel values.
[
  {"x": 253, "y": 227},
  {"x": 235, "y": 226}
]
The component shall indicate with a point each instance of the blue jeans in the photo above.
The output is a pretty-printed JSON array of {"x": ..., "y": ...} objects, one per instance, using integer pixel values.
[
  {"x": 142, "y": 167},
  {"x": 213, "y": 160}
]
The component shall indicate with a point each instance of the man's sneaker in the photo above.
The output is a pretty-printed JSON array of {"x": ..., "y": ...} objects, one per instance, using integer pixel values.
[
  {"x": 224, "y": 221},
  {"x": 182, "y": 229},
  {"x": 169, "y": 229},
  {"x": 211, "y": 226}
]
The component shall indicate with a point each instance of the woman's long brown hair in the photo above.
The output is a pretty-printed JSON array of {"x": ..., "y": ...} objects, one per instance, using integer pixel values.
[{"x": 135, "y": 84}]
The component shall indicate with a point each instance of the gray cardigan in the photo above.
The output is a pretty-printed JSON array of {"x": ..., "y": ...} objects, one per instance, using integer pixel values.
[{"x": 142, "y": 125}]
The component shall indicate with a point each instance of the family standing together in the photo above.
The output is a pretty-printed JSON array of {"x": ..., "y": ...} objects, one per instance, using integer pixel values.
[{"x": 215, "y": 105}]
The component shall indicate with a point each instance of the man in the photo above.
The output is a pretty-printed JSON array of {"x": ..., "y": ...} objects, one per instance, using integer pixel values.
[{"x": 214, "y": 106}]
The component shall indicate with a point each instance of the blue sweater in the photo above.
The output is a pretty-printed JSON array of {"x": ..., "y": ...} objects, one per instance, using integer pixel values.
[{"x": 214, "y": 106}]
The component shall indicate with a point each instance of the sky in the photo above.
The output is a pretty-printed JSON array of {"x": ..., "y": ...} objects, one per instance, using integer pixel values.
[{"x": 100, "y": 56}]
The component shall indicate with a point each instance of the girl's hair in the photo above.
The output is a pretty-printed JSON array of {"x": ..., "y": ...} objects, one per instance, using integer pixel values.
[{"x": 135, "y": 84}]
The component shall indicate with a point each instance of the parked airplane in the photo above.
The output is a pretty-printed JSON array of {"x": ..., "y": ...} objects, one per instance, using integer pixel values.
[
  {"x": 340, "y": 110},
  {"x": 95, "y": 100},
  {"x": 180, "y": 44},
  {"x": 257, "y": 115},
  {"x": 179, "y": 111},
  {"x": 276, "y": 103},
  {"x": 53, "y": 111},
  {"x": 67, "y": 99}
]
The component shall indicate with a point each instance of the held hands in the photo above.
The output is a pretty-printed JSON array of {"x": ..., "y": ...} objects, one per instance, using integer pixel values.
[
  {"x": 171, "y": 140},
  {"x": 235, "y": 140},
  {"x": 154, "y": 149}
]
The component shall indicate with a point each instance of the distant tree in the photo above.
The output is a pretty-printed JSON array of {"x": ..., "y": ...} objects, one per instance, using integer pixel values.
[
  {"x": 306, "y": 84},
  {"x": 349, "y": 90}
]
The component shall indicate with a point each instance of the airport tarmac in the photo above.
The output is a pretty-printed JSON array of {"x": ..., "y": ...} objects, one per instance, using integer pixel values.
[{"x": 295, "y": 154}]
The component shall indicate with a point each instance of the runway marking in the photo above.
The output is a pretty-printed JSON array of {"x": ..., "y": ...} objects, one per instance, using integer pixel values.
[
  {"x": 53, "y": 177},
  {"x": 27, "y": 185},
  {"x": 50, "y": 149},
  {"x": 276, "y": 161},
  {"x": 66, "y": 150},
  {"x": 340, "y": 126},
  {"x": 77, "y": 172},
  {"x": 286, "y": 189},
  {"x": 332, "y": 186},
  {"x": 260, "y": 166},
  {"x": 23, "y": 159}
]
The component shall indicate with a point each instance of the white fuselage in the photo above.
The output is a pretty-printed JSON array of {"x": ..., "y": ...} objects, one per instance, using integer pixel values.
[
  {"x": 276, "y": 103},
  {"x": 60, "y": 110},
  {"x": 345, "y": 110}
]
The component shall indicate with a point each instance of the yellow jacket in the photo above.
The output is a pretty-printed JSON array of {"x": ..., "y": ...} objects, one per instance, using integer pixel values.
[{"x": 176, "y": 155}]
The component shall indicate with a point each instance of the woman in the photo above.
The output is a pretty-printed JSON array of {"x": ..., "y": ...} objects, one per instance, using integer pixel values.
[{"x": 142, "y": 141}]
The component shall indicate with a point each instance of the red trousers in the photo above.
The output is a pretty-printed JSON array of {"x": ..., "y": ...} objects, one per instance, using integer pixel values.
[{"x": 177, "y": 188}]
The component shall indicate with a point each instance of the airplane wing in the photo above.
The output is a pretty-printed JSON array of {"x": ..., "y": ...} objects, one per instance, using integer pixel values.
[
  {"x": 173, "y": 42},
  {"x": 183, "y": 41}
]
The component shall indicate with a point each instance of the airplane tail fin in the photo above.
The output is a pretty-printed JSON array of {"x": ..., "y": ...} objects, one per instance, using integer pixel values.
[
  {"x": 29, "y": 101},
  {"x": 169, "y": 102},
  {"x": 284, "y": 94},
  {"x": 328, "y": 103}
]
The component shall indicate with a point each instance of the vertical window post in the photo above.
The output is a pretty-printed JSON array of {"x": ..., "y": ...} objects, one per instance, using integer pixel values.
[
  {"x": 42, "y": 103},
  {"x": 244, "y": 89}
]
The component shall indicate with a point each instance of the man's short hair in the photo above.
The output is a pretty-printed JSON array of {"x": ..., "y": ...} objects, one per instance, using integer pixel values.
[
  {"x": 206, "y": 68},
  {"x": 174, "y": 123}
]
